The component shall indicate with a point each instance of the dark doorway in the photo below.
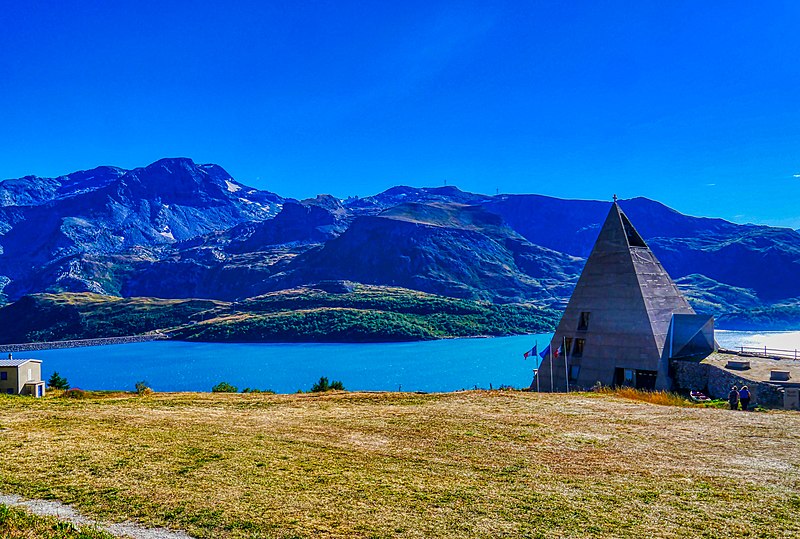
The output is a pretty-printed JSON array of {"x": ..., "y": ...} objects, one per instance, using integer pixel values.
[
  {"x": 624, "y": 377},
  {"x": 635, "y": 378},
  {"x": 646, "y": 379}
]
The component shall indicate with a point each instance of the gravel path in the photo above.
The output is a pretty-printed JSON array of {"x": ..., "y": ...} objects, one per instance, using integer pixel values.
[{"x": 65, "y": 512}]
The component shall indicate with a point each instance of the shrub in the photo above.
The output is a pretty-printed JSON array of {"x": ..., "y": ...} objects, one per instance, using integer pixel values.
[
  {"x": 323, "y": 385},
  {"x": 74, "y": 393},
  {"x": 143, "y": 388},
  {"x": 57, "y": 381},
  {"x": 224, "y": 387}
]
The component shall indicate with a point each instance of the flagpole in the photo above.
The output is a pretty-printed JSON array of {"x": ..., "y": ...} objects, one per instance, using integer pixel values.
[
  {"x": 552, "y": 388},
  {"x": 566, "y": 363}
]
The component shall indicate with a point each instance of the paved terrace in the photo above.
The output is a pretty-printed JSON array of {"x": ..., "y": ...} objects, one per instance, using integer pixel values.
[
  {"x": 760, "y": 367},
  {"x": 715, "y": 376}
]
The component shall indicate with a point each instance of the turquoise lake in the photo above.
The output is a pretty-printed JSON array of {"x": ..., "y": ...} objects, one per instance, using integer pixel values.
[{"x": 446, "y": 365}]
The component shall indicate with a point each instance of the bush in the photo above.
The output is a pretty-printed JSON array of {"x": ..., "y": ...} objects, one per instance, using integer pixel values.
[
  {"x": 143, "y": 388},
  {"x": 74, "y": 393},
  {"x": 224, "y": 387},
  {"x": 256, "y": 390},
  {"x": 323, "y": 385},
  {"x": 58, "y": 382}
]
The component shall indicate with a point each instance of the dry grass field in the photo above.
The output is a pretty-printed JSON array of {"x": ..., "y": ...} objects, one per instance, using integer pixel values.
[{"x": 468, "y": 464}]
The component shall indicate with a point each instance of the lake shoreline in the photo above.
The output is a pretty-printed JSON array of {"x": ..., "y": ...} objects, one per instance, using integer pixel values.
[
  {"x": 107, "y": 341},
  {"x": 130, "y": 339},
  {"x": 441, "y": 365}
]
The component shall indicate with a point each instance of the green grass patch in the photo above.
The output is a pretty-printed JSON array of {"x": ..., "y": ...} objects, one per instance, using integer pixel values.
[{"x": 16, "y": 523}]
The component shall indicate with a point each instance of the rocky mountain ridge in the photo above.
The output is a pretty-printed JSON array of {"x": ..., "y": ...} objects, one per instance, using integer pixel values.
[
  {"x": 52, "y": 228},
  {"x": 176, "y": 229}
]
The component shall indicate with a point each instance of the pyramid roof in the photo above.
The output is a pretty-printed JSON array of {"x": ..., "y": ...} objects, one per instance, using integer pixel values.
[{"x": 620, "y": 310}]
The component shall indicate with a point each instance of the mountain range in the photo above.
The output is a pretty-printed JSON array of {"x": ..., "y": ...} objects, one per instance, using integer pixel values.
[{"x": 177, "y": 229}]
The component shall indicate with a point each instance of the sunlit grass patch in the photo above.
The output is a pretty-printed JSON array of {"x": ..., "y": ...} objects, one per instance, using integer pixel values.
[{"x": 662, "y": 398}]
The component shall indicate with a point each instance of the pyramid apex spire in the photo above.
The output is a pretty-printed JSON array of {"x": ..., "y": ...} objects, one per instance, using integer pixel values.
[{"x": 617, "y": 232}]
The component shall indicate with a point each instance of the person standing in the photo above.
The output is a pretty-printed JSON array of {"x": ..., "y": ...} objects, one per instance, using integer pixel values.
[
  {"x": 733, "y": 398},
  {"x": 744, "y": 397}
]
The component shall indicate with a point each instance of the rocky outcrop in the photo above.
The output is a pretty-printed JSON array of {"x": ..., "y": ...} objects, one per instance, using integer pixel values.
[{"x": 310, "y": 221}]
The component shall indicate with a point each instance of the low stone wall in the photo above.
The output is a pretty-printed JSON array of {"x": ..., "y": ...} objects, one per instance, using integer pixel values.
[
  {"x": 716, "y": 382},
  {"x": 51, "y": 345},
  {"x": 689, "y": 376}
]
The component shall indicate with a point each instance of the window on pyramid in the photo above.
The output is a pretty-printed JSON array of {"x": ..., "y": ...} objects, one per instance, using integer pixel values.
[
  {"x": 574, "y": 371},
  {"x": 583, "y": 322},
  {"x": 634, "y": 239},
  {"x": 577, "y": 350}
]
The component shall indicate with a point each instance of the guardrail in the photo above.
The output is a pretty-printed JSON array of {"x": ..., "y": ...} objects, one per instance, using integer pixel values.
[{"x": 769, "y": 352}]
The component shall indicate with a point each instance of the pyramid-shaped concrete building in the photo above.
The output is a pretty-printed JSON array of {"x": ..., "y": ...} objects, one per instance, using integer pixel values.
[{"x": 625, "y": 320}]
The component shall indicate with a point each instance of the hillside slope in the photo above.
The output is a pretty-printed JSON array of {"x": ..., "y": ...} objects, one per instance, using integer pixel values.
[
  {"x": 442, "y": 248},
  {"x": 328, "y": 312}
]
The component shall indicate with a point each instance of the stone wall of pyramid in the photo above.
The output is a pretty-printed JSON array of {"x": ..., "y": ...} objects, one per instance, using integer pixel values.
[{"x": 619, "y": 315}]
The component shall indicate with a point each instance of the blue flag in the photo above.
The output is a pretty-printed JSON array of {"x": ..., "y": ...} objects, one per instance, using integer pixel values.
[{"x": 545, "y": 352}]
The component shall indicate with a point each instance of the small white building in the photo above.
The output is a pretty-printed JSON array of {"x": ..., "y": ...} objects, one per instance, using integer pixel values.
[{"x": 21, "y": 377}]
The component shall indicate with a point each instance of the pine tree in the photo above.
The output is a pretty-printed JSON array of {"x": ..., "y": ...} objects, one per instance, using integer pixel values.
[{"x": 58, "y": 382}]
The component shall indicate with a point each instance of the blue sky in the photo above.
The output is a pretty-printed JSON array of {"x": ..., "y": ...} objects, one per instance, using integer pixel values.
[{"x": 694, "y": 104}]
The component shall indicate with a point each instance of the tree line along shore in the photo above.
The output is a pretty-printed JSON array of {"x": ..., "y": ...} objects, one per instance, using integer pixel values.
[{"x": 359, "y": 313}]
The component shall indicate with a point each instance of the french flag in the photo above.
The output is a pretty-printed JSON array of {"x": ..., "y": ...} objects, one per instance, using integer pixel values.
[
  {"x": 546, "y": 351},
  {"x": 532, "y": 352}
]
